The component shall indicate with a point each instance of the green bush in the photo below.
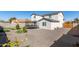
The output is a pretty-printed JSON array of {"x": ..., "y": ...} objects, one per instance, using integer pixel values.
[
  {"x": 24, "y": 29},
  {"x": 78, "y": 27},
  {"x": 1, "y": 30},
  {"x": 17, "y": 26},
  {"x": 10, "y": 44},
  {"x": 19, "y": 31},
  {"x": 15, "y": 43},
  {"x": 11, "y": 28},
  {"x": 6, "y": 30}
]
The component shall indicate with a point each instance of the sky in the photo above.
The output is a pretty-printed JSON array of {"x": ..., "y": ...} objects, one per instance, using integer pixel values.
[{"x": 5, "y": 15}]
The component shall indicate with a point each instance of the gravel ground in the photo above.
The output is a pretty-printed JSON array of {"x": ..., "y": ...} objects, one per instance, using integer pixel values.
[
  {"x": 44, "y": 38},
  {"x": 12, "y": 35},
  {"x": 68, "y": 40}
]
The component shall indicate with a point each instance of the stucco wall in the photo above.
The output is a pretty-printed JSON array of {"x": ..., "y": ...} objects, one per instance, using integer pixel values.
[
  {"x": 47, "y": 17},
  {"x": 36, "y": 17},
  {"x": 55, "y": 25},
  {"x": 11, "y": 25},
  {"x": 61, "y": 17},
  {"x": 48, "y": 24},
  {"x": 55, "y": 17}
]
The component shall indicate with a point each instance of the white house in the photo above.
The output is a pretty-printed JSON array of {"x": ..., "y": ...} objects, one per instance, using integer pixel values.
[{"x": 49, "y": 21}]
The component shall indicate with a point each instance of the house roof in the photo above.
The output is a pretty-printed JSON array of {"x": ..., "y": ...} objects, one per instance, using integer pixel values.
[
  {"x": 53, "y": 13},
  {"x": 50, "y": 20},
  {"x": 21, "y": 21}
]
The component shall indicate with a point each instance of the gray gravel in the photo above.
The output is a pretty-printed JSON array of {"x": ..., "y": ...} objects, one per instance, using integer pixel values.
[
  {"x": 22, "y": 37},
  {"x": 44, "y": 38}
]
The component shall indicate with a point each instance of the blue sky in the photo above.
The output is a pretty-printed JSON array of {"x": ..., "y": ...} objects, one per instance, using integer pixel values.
[{"x": 5, "y": 15}]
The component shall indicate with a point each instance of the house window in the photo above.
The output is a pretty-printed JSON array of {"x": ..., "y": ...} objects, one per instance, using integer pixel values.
[
  {"x": 49, "y": 16},
  {"x": 43, "y": 23},
  {"x": 34, "y": 16}
]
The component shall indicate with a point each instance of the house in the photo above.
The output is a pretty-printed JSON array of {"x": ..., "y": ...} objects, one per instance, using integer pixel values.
[
  {"x": 49, "y": 21},
  {"x": 24, "y": 22},
  {"x": 21, "y": 21}
]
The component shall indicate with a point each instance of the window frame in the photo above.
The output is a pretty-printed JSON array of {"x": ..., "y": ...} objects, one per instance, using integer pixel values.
[{"x": 43, "y": 23}]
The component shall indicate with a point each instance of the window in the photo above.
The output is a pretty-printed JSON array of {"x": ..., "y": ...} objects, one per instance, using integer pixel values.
[
  {"x": 50, "y": 16},
  {"x": 43, "y": 23},
  {"x": 34, "y": 16}
]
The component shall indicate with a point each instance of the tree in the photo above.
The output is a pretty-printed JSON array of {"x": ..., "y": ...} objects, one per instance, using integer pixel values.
[
  {"x": 76, "y": 20},
  {"x": 2, "y": 21},
  {"x": 17, "y": 26},
  {"x": 13, "y": 18}
]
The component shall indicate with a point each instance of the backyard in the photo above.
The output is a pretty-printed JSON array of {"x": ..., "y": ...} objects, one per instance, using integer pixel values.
[
  {"x": 13, "y": 36},
  {"x": 20, "y": 36},
  {"x": 53, "y": 38}
]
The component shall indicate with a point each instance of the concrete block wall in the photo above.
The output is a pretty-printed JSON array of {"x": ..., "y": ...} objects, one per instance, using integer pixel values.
[{"x": 11, "y": 25}]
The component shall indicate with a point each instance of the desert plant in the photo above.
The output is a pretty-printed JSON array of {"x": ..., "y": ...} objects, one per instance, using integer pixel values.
[
  {"x": 17, "y": 26},
  {"x": 19, "y": 31},
  {"x": 1, "y": 30},
  {"x": 17, "y": 41},
  {"x": 24, "y": 29},
  {"x": 77, "y": 27},
  {"x": 9, "y": 44},
  {"x": 6, "y": 30},
  {"x": 13, "y": 28},
  {"x": 12, "y": 44},
  {"x": 5, "y": 45}
]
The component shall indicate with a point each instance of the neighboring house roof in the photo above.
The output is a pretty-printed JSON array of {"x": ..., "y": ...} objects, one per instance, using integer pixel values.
[
  {"x": 51, "y": 20},
  {"x": 21, "y": 21}
]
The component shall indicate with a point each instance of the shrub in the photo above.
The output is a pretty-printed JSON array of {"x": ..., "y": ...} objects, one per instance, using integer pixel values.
[
  {"x": 6, "y": 30},
  {"x": 12, "y": 44},
  {"x": 24, "y": 29},
  {"x": 13, "y": 28},
  {"x": 78, "y": 27},
  {"x": 17, "y": 26},
  {"x": 5, "y": 45},
  {"x": 17, "y": 42},
  {"x": 1, "y": 30},
  {"x": 19, "y": 31}
]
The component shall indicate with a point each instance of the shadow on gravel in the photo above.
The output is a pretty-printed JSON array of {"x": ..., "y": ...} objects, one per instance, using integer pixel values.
[
  {"x": 3, "y": 36},
  {"x": 71, "y": 39}
]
